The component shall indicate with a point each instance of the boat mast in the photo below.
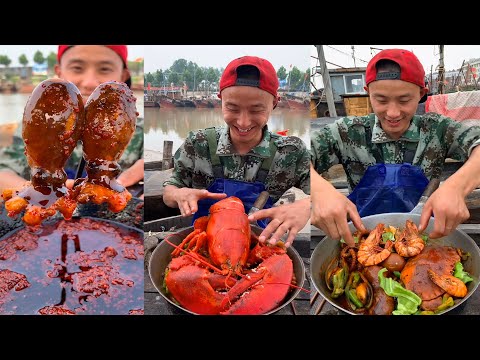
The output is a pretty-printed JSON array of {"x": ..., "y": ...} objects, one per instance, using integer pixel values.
[
  {"x": 326, "y": 81},
  {"x": 441, "y": 72}
]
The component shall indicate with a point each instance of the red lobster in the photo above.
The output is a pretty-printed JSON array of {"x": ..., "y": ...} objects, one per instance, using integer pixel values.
[{"x": 212, "y": 269}]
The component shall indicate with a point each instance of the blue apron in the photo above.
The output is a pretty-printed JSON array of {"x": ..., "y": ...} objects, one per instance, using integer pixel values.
[
  {"x": 248, "y": 192},
  {"x": 387, "y": 188}
]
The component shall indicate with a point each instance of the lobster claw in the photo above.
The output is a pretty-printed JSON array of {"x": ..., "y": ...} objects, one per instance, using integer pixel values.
[
  {"x": 262, "y": 290},
  {"x": 195, "y": 287}
]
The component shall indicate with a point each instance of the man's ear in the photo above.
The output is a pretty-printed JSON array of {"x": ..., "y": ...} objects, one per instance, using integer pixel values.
[
  {"x": 57, "y": 70},
  {"x": 276, "y": 99},
  {"x": 125, "y": 75}
]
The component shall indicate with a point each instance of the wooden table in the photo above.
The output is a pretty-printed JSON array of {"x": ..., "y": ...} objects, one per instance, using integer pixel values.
[
  {"x": 155, "y": 303},
  {"x": 320, "y": 306}
]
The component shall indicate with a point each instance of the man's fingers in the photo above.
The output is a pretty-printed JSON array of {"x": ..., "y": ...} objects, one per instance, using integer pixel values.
[
  {"x": 331, "y": 230},
  {"x": 215, "y": 195},
  {"x": 345, "y": 233},
  {"x": 69, "y": 183},
  {"x": 438, "y": 227},
  {"x": 291, "y": 236},
  {"x": 185, "y": 209},
  {"x": 425, "y": 217},
  {"x": 279, "y": 233},
  {"x": 356, "y": 219},
  {"x": 260, "y": 214},
  {"x": 269, "y": 230},
  {"x": 193, "y": 206}
]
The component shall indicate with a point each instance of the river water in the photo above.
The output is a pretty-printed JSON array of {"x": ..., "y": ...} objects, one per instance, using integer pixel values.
[
  {"x": 11, "y": 113},
  {"x": 12, "y": 106},
  {"x": 174, "y": 125}
]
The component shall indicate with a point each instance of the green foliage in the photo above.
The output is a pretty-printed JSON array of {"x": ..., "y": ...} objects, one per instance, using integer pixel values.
[
  {"x": 37, "y": 79},
  {"x": 38, "y": 57},
  {"x": 51, "y": 60},
  {"x": 135, "y": 67},
  {"x": 5, "y": 60},
  {"x": 22, "y": 59},
  {"x": 282, "y": 73},
  {"x": 207, "y": 78},
  {"x": 148, "y": 78}
]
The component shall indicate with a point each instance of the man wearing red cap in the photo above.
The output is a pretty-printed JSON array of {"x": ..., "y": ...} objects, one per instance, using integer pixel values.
[
  {"x": 391, "y": 155},
  {"x": 244, "y": 158},
  {"x": 87, "y": 66}
]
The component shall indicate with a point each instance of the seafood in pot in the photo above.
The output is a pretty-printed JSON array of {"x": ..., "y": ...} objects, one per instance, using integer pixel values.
[
  {"x": 397, "y": 273},
  {"x": 220, "y": 268}
]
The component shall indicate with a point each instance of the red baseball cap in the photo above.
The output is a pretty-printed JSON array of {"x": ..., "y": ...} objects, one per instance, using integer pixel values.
[
  {"x": 411, "y": 70},
  {"x": 121, "y": 50},
  {"x": 267, "y": 81}
]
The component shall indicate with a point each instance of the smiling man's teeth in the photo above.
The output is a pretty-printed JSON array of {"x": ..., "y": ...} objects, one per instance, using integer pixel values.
[{"x": 244, "y": 131}]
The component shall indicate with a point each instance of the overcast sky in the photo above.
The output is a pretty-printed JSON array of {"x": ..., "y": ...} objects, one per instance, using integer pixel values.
[
  {"x": 428, "y": 55},
  {"x": 218, "y": 56},
  {"x": 14, "y": 51}
]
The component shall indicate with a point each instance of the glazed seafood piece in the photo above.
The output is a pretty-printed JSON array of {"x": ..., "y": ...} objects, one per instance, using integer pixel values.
[
  {"x": 110, "y": 117},
  {"x": 53, "y": 122}
]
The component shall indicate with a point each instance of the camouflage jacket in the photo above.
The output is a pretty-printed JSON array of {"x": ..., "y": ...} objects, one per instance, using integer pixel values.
[
  {"x": 289, "y": 167},
  {"x": 432, "y": 137},
  {"x": 12, "y": 157}
]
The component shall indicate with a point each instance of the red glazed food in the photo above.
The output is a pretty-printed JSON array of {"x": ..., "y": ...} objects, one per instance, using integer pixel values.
[
  {"x": 81, "y": 266},
  {"x": 52, "y": 124},
  {"x": 110, "y": 118}
]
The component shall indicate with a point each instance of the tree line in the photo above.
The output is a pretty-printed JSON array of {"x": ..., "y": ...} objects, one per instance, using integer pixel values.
[
  {"x": 51, "y": 59},
  {"x": 184, "y": 72},
  {"x": 38, "y": 58}
]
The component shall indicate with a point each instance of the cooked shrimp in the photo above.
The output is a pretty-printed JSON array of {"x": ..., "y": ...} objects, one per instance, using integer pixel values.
[
  {"x": 452, "y": 285},
  {"x": 409, "y": 243},
  {"x": 370, "y": 252}
]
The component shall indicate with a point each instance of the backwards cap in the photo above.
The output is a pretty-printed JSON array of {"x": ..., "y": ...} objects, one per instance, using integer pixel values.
[
  {"x": 411, "y": 70},
  {"x": 267, "y": 81},
  {"x": 121, "y": 50}
]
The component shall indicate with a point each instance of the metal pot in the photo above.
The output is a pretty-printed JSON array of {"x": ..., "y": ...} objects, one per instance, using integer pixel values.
[
  {"x": 327, "y": 249},
  {"x": 161, "y": 257},
  {"x": 128, "y": 221}
]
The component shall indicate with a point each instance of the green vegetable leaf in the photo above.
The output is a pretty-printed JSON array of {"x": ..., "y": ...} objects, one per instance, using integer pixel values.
[
  {"x": 355, "y": 238},
  {"x": 461, "y": 274},
  {"x": 387, "y": 236},
  {"x": 397, "y": 274},
  {"x": 447, "y": 301},
  {"x": 425, "y": 239},
  {"x": 407, "y": 301}
]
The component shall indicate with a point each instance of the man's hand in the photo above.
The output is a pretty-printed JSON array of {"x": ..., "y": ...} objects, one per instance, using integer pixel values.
[
  {"x": 132, "y": 175},
  {"x": 289, "y": 218},
  {"x": 10, "y": 180},
  {"x": 330, "y": 209},
  {"x": 448, "y": 205},
  {"x": 186, "y": 199}
]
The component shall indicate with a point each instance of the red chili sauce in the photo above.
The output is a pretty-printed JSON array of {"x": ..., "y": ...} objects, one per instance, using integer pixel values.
[{"x": 81, "y": 266}]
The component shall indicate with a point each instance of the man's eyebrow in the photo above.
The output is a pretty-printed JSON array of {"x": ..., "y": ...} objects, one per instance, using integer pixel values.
[
  {"x": 81, "y": 61},
  {"x": 261, "y": 104}
]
